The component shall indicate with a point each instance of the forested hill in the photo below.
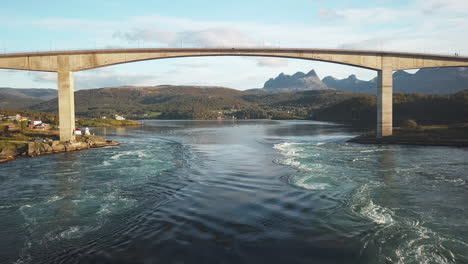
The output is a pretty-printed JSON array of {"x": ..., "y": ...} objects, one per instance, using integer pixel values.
[
  {"x": 138, "y": 101},
  {"x": 196, "y": 102},
  {"x": 193, "y": 102},
  {"x": 13, "y": 98},
  {"x": 424, "y": 109}
]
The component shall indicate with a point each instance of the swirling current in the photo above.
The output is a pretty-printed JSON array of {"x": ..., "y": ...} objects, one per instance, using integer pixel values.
[{"x": 254, "y": 191}]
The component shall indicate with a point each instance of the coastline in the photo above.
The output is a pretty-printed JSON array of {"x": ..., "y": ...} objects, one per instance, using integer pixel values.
[
  {"x": 454, "y": 135},
  {"x": 391, "y": 140},
  {"x": 13, "y": 150},
  {"x": 30, "y": 143}
]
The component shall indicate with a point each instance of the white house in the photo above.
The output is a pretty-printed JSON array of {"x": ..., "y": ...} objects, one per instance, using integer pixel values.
[
  {"x": 119, "y": 117},
  {"x": 37, "y": 121}
]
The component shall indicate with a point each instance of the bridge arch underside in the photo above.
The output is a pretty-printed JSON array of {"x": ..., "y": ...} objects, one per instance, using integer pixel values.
[
  {"x": 346, "y": 63},
  {"x": 65, "y": 63}
]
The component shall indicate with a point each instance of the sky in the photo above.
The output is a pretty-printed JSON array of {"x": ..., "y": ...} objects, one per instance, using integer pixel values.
[{"x": 432, "y": 26}]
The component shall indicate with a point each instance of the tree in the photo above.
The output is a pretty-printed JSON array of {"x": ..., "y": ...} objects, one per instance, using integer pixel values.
[{"x": 23, "y": 125}]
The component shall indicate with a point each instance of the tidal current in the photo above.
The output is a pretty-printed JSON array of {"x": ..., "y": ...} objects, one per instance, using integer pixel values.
[{"x": 236, "y": 192}]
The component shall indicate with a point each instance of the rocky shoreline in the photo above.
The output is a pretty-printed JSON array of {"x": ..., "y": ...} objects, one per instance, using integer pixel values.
[{"x": 48, "y": 146}]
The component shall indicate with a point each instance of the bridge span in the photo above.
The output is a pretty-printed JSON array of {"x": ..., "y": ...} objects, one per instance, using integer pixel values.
[{"x": 67, "y": 62}]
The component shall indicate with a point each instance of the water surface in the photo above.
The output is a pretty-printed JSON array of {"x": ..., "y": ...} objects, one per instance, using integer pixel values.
[{"x": 236, "y": 192}]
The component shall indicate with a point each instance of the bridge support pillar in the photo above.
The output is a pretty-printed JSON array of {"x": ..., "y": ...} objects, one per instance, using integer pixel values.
[
  {"x": 66, "y": 102},
  {"x": 385, "y": 101}
]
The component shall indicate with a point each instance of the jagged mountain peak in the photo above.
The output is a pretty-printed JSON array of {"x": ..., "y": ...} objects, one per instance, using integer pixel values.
[
  {"x": 312, "y": 73},
  {"x": 426, "y": 81},
  {"x": 296, "y": 82},
  {"x": 299, "y": 75},
  {"x": 352, "y": 77}
]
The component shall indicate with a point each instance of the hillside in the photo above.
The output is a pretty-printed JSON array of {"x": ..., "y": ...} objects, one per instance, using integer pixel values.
[
  {"x": 8, "y": 101},
  {"x": 37, "y": 93},
  {"x": 198, "y": 102},
  {"x": 148, "y": 101},
  {"x": 424, "y": 109},
  {"x": 11, "y": 98},
  {"x": 194, "y": 102}
]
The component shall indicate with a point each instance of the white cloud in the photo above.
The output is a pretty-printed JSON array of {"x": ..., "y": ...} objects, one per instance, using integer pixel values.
[
  {"x": 211, "y": 37},
  {"x": 368, "y": 15},
  {"x": 47, "y": 77},
  {"x": 272, "y": 62},
  {"x": 151, "y": 35},
  {"x": 104, "y": 77},
  {"x": 430, "y": 7},
  {"x": 329, "y": 14}
]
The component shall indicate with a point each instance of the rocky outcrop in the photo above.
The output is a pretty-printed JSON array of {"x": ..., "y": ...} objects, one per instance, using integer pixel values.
[
  {"x": 38, "y": 148},
  {"x": 7, "y": 154},
  {"x": 58, "y": 146},
  {"x": 47, "y": 146}
]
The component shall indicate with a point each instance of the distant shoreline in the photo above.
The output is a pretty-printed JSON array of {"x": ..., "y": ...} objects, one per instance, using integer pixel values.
[
  {"x": 401, "y": 141},
  {"x": 436, "y": 135}
]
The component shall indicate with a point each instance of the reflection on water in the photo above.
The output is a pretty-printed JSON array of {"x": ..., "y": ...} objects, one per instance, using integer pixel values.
[
  {"x": 236, "y": 192},
  {"x": 67, "y": 187}
]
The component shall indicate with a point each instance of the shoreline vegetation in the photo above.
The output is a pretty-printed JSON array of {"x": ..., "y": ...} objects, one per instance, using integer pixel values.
[
  {"x": 454, "y": 135},
  {"x": 101, "y": 122},
  {"x": 33, "y": 132}
]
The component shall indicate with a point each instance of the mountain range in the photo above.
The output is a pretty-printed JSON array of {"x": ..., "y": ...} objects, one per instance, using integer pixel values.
[
  {"x": 424, "y": 81},
  {"x": 285, "y": 89}
]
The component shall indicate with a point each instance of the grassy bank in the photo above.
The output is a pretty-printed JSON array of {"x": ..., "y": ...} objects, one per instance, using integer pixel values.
[{"x": 99, "y": 122}]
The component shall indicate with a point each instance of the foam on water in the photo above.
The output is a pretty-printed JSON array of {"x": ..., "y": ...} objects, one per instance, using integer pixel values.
[
  {"x": 391, "y": 204},
  {"x": 362, "y": 204},
  {"x": 83, "y": 202},
  {"x": 302, "y": 182},
  {"x": 399, "y": 238},
  {"x": 307, "y": 176}
]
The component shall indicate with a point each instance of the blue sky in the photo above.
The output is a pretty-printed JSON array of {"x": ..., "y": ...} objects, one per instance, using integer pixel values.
[{"x": 436, "y": 26}]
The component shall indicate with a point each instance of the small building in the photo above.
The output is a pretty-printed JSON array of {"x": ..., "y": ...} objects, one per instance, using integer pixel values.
[
  {"x": 77, "y": 131},
  {"x": 119, "y": 117},
  {"x": 36, "y": 121}
]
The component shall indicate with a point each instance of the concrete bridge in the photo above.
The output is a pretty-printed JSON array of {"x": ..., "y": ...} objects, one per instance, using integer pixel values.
[{"x": 67, "y": 62}]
